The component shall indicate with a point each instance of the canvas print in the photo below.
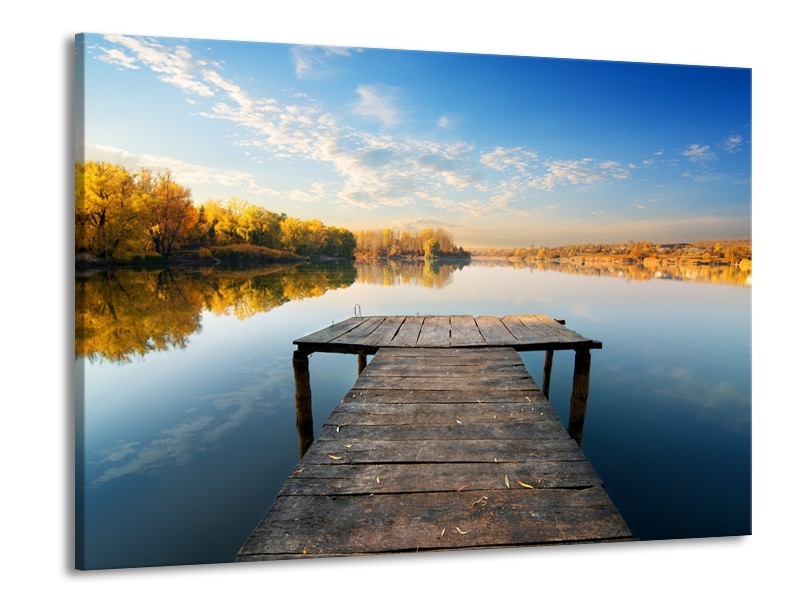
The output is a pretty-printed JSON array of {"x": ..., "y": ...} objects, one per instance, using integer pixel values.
[{"x": 342, "y": 301}]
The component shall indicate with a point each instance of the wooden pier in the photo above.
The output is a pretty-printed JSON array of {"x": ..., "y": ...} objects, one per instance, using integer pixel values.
[{"x": 444, "y": 442}]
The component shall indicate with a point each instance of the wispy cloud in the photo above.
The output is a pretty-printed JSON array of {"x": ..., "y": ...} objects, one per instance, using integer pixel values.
[
  {"x": 414, "y": 224},
  {"x": 173, "y": 65},
  {"x": 193, "y": 174},
  {"x": 504, "y": 159},
  {"x": 444, "y": 122},
  {"x": 699, "y": 154},
  {"x": 373, "y": 169},
  {"x": 732, "y": 143},
  {"x": 115, "y": 56},
  {"x": 314, "y": 61},
  {"x": 654, "y": 158},
  {"x": 223, "y": 414},
  {"x": 578, "y": 172},
  {"x": 376, "y": 102},
  {"x": 645, "y": 204}
]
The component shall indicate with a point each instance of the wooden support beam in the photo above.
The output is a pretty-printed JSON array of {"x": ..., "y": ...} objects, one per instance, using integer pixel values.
[
  {"x": 362, "y": 362},
  {"x": 302, "y": 401},
  {"x": 580, "y": 394},
  {"x": 548, "y": 367}
]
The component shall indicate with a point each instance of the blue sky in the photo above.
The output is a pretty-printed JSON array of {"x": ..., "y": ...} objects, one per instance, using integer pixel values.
[{"x": 502, "y": 151}]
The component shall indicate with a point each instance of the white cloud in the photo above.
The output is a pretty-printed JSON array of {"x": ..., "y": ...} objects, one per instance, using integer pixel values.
[
  {"x": 174, "y": 66},
  {"x": 234, "y": 91},
  {"x": 224, "y": 414},
  {"x": 377, "y": 103},
  {"x": 314, "y": 61},
  {"x": 443, "y": 122},
  {"x": 699, "y": 154},
  {"x": 372, "y": 169},
  {"x": 504, "y": 159},
  {"x": 578, "y": 172},
  {"x": 115, "y": 56},
  {"x": 187, "y": 173},
  {"x": 732, "y": 143}
]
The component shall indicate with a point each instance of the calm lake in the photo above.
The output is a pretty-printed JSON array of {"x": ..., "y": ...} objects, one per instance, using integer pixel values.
[{"x": 186, "y": 430}]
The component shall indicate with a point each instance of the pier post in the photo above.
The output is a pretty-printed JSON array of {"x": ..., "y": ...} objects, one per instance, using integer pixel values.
[
  {"x": 302, "y": 401},
  {"x": 548, "y": 367},
  {"x": 362, "y": 362},
  {"x": 580, "y": 394}
]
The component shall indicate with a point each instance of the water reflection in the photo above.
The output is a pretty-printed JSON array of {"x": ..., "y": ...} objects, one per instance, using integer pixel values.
[
  {"x": 211, "y": 418},
  {"x": 428, "y": 273},
  {"x": 209, "y": 434},
  {"x": 127, "y": 313},
  {"x": 726, "y": 275}
]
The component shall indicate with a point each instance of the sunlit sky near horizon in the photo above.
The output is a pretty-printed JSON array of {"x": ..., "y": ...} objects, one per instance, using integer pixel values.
[{"x": 502, "y": 151}]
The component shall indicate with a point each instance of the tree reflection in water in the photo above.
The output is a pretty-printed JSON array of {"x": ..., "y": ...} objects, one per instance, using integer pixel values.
[
  {"x": 721, "y": 274},
  {"x": 436, "y": 274},
  {"x": 126, "y": 313}
]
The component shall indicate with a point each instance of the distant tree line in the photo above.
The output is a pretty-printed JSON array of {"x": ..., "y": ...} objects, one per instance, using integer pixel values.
[
  {"x": 121, "y": 214},
  {"x": 429, "y": 243},
  {"x": 708, "y": 252}
]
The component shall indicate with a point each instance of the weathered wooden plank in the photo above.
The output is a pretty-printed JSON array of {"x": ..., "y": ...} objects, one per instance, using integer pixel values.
[
  {"x": 439, "y": 448},
  {"x": 494, "y": 332},
  {"x": 435, "y": 332},
  {"x": 489, "y": 431},
  {"x": 357, "y": 334},
  {"x": 464, "y": 332},
  {"x": 488, "y": 382},
  {"x": 471, "y": 410},
  {"x": 539, "y": 332},
  {"x": 530, "y": 331},
  {"x": 402, "y": 396},
  {"x": 384, "y": 333},
  {"x": 446, "y": 351},
  {"x": 454, "y": 356},
  {"x": 323, "y": 336},
  {"x": 379, "y": 451},
  {"x": 426, "y": 369},
  {"x": 547, "y": 328},
  {"x": 408, "y": 333},
  {"x": 405, "y": 356},
  {"x": 372, "y": 413},
  {"x": 407, "y": 522},
  {"x": 392, "y": 478},
  {"x": 523, "y": 334}
]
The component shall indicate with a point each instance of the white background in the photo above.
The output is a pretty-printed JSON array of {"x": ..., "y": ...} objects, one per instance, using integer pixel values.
[{"x": 37, "y": 306}]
